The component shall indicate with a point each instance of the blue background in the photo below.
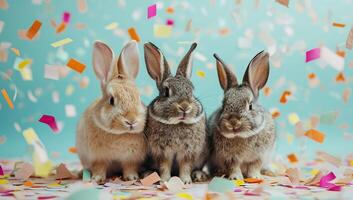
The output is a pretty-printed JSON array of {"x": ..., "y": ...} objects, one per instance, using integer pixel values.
[{"x": 310, "y": 21}]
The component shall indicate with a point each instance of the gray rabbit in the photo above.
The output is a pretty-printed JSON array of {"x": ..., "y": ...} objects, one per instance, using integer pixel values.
[
  {"x": 176, "y": 121},
  {"x": 243, "y": 132}
]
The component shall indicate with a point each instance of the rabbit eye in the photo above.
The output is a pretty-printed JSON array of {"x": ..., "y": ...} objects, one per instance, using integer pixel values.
[
  {"x": 166, "y": 92},
  {"x": 111, "y": 101},
  {"x": 250, "y": 106}
]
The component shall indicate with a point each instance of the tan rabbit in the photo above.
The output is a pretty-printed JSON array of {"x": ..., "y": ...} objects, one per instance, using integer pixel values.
[
  {"x": 110, "y": 132},
  {"x": 243, "y": 131}
]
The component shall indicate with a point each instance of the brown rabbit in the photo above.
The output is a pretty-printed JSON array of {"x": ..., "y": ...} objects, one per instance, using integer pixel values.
[
  {"x": 110, "y": 133},
  {"x": 176, "y": 123},
  {"x": 243, "y": 133}
]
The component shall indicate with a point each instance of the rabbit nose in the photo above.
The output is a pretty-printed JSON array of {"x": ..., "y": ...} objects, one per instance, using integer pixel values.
[
  {"x": 184, "y": 107},
  {"x": 236, "y": 123},
  {"x": 130, "y": 124}
]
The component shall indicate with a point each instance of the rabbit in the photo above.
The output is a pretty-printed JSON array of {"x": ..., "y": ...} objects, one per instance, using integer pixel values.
[
  {"x": 110, "y": 135},
  {"x": 176, "y": 121},
  {"x": 243, "y": 132}
]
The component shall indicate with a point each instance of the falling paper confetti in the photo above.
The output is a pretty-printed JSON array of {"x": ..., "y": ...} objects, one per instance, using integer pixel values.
[
  {"x": 33, "y": 30},
  {"x": 150, "y": 179},
  {"x": 283, "y": 2},
  {"x": 7, "y": 98},
  {"x": 312, "y": 54},
  {"x": 151, "y": 11},
  {"x": 61, "y": 42},
  {"x": 315, "y": 135},
  {"x": 76, "y": 65},
  {"x": 349, "y": 41},
  {"x": 133, "y": 34},
  {"x": 50, "y": 121}
]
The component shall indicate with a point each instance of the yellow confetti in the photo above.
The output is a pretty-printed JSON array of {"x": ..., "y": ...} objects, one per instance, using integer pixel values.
[
  {"x": 293, "y": 118},
  {"x": 16, "y": 51},
  {"x": 61, "y": 42},
  {"x": 111, "y": 26},
  {"x": 314, "y": 172},
  {"x": 201, "y": 74},
  {"x": 290, "y": 138},
  {"x": 41, "y": 169},
  {"x": 30, "y": 135},
  {"x": 24, "y": 63},
  {"x": 351, "y": 162},
  {"x": 239, "y": 182},
  {"x": 162, "y": 31},
  {"x": 185, "y": 196},
  {"x": 3, "y": 181}
]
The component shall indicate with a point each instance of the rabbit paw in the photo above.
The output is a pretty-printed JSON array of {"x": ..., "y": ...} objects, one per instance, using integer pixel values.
[
  {"x": 255, "y": 175},
  {"x": 199, "y": 176},
  {"x": 186, "y": 179},
  {"x": 236, "y": 176},
  {"x": 165, "y": 177},
  {"x": 131, "y": 176},
  {"x": 98, "y": 178}
]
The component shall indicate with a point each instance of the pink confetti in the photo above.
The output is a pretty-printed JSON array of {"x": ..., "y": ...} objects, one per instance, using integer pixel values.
[
  {"x": 312, "y": 54},
  {"x": 170, "y": 22},
  {"x": 1, "y": 171},
  {"x": 336, "y": 188},
  {"x": 151, "y": 11},
  {"x": 66, "y": 17},
  {"x": 50, "y": 120},
  {"x": 325, "y": 182}
]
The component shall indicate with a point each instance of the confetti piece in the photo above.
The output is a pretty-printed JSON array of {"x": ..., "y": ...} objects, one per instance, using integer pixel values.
[
  {"x": 185, "y": 196},
  {"x": 170, "y": 22},
  {"x": 66, "y": 17},
  {"x": 292, "y": 158},
  {"x": 267, "y": 91},
  {"x": 85, "y": 193},
  {"x": 72, "y": 150},
  {"x": 349, "y": 41},
  {"x": 86, "y": 175},
  {"x": 293, "y": 175},
  {"x": 329, "y": 158},
  {"x": 4, "y": 182},
  {"x": 50, "y": 121},
  {"x": 133, "y": 34},
  {"x": 7, "y": 98},
  {"x": 24, "y": 63},
  {"x": 315, "y": 135},
  {"x": 284, "y": 97},
  {"x": 293, "y": 118},
  {"x": 151, "y": 11},
  {"x": 239, "y": 182},
  {"x": 340, "y": 78},
  {"x": 339, "y": 25},
  {"x": 28, "y": 183},
  {"x": 201, "y": 74},
  {"x": 346, "y": 94},
  {"x": 325, "y": 180},
  {"x": 76, "y": 65},
  {"x": 331, "y": 58},
  {"x": 169, "y": 10},
  {"x": 1, "y": 26},
  {"x": 111, "y": 26},
  {"x": 61, "y": 42},
  {"x": 175, "y": 184},
  {"x": 252, "y": 180},
  {"x": 221, "y": 185},
  {"x": 16, "y": 51},
  {"x": 162, "y": 31},
  {"x": 312, "y": 54},
  {"x": 30, "y": 136},
  {"x": 62, "y": 172},
  {"x": 33, "y": 30},
  {"x": 1, "y": 171},
  {"x": 24, "y": 171},
  {"x": 150, "y": 179},
  {"x": 283, "y": 2},
  {"x": 51, "y": 72},
  {"x": 60, "y": 28},
  {"x": 82, "y": 6},
  {"x": 4, "y": 5},
  {"x": 70, "y": 110}
]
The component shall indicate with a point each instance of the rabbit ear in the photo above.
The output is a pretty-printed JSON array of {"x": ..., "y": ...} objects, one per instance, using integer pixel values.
[
  {"x": 156, "y": 64},
  {"x": 102, "y": 60},
  {"x": 128, "y": 62},
  {"x": 226, "y": 77},
  {"x": 257, "y": 73},
  {"x": 185, "y": 66}
]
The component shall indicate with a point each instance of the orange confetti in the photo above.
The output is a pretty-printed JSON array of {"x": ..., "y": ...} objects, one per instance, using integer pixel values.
[
  {"x": 284, "y": 96},
  {"x": 292, "y": 158},
  {"x": 33, "y": 30},
  {"x": 224, "y": 31},
  {"x": 16, "y": 51},
  {"x": 28, "y": 183},
  {"x": 275, "y": 114},
  {"x": 133, "y": 34},
  {"x": 340, "y": 78},
  {"x": 346, "y": 94},
  {"x": 253, "y": 180},
  {"x": 7, "y": 98},
  {"x": 311, "y": 76},
  {"x": 339, "y": 25},
  {"x": 267, "y": 91},
  {"x": 82, "y": 6},
  {"x": 341, "y": 53},
  {"x": 75, "y": 65},
  {"x": 315, "y": 135},
  {"x": 170, "y": 10},
  {"x": 4, "y": 5},
  {"x": 60, "y": 28},
  {"x": 72, "y": 150}
]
